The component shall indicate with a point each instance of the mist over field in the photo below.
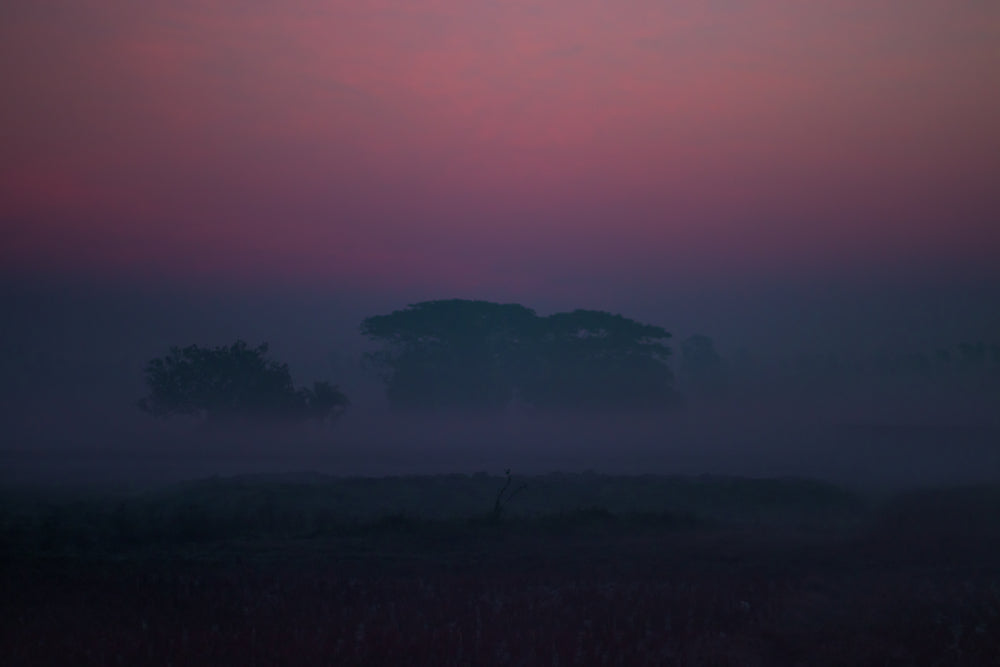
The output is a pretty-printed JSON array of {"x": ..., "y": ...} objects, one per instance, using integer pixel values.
[{"x": 815, "y": 384}]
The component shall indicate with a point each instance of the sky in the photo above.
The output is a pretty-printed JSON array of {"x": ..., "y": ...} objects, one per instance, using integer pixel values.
[{"x": 539, "y": 151}]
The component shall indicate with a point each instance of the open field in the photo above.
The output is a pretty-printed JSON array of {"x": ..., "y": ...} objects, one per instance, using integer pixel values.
[{"x": 576, "y": 569}]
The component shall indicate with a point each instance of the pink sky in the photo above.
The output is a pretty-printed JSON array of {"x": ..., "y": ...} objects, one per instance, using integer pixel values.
[{"x": 514, "y": 146}]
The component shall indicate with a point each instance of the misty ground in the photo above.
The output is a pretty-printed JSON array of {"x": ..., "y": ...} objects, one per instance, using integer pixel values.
[
  {"x": 856, "y": 450},
  {"x": 574, "y": 569}
]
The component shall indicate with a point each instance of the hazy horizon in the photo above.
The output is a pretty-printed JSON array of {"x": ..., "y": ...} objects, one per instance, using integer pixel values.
[
  {"x": 75, "y": 355},
  {"x": 810, "y": 185}
]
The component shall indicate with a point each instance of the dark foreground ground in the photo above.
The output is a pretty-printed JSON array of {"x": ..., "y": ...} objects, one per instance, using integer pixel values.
[{"x": 575, "y": 570}]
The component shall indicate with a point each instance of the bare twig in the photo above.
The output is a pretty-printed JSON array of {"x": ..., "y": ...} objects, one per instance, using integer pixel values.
[{"x": 501, "y": 500}]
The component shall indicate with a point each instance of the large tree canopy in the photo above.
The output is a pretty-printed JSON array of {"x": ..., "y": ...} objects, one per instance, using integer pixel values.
[
  {"x": 589, "y": 358},
  {"x": 477, "y": 354},
  {"x": 233, "y": 382},
  {"x": 450, "y": 353}
]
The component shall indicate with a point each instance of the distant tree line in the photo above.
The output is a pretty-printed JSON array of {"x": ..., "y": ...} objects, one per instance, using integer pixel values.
[
  {"x": 449, "y": 354},
  {"x": 964, "y": 359},
  {"x": 483, "y": 356}
]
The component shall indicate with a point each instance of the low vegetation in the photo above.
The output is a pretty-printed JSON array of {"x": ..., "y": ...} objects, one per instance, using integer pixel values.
[{"x": 575, "y": 569}]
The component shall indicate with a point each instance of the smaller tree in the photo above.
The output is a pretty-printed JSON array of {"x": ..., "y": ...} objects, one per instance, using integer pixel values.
[{"x": 231, "y": 383}]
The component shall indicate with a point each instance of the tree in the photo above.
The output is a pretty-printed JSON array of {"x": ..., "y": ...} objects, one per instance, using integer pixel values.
[
  {"x": 232, "y": 383},
  {"x": 449, "y": 353},
  {"x": 590, "y": 359},
  {"x": 480, "y": 355}
]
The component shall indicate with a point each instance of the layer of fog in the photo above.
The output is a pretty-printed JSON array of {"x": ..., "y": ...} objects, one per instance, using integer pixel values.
[{"x": 72, "y": 369}]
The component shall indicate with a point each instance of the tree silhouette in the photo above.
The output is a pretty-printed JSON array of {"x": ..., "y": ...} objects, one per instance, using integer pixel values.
[
  {"x": 233, "y": 382},
  {"x": 480, "y": 355},
  {"x": 589, "y": 359},
  {"x": 450, "y": 353}
]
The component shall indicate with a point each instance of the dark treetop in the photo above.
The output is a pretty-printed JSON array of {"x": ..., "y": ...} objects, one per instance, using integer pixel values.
[
  {"x": 477, "y": 354},
  {"x": 233, "y": 382}
]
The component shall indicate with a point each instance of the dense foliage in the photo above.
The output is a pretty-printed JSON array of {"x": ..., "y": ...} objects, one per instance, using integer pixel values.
[
  {"x": 478, "y": 354},
  {"x": 233, "y": 382}
]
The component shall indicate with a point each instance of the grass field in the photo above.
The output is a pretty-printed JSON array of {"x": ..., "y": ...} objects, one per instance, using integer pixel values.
[{"x": 575, "y": 570}]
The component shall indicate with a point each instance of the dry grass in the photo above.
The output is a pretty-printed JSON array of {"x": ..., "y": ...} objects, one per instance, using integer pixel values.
[{"x": 590, "y": 588}]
